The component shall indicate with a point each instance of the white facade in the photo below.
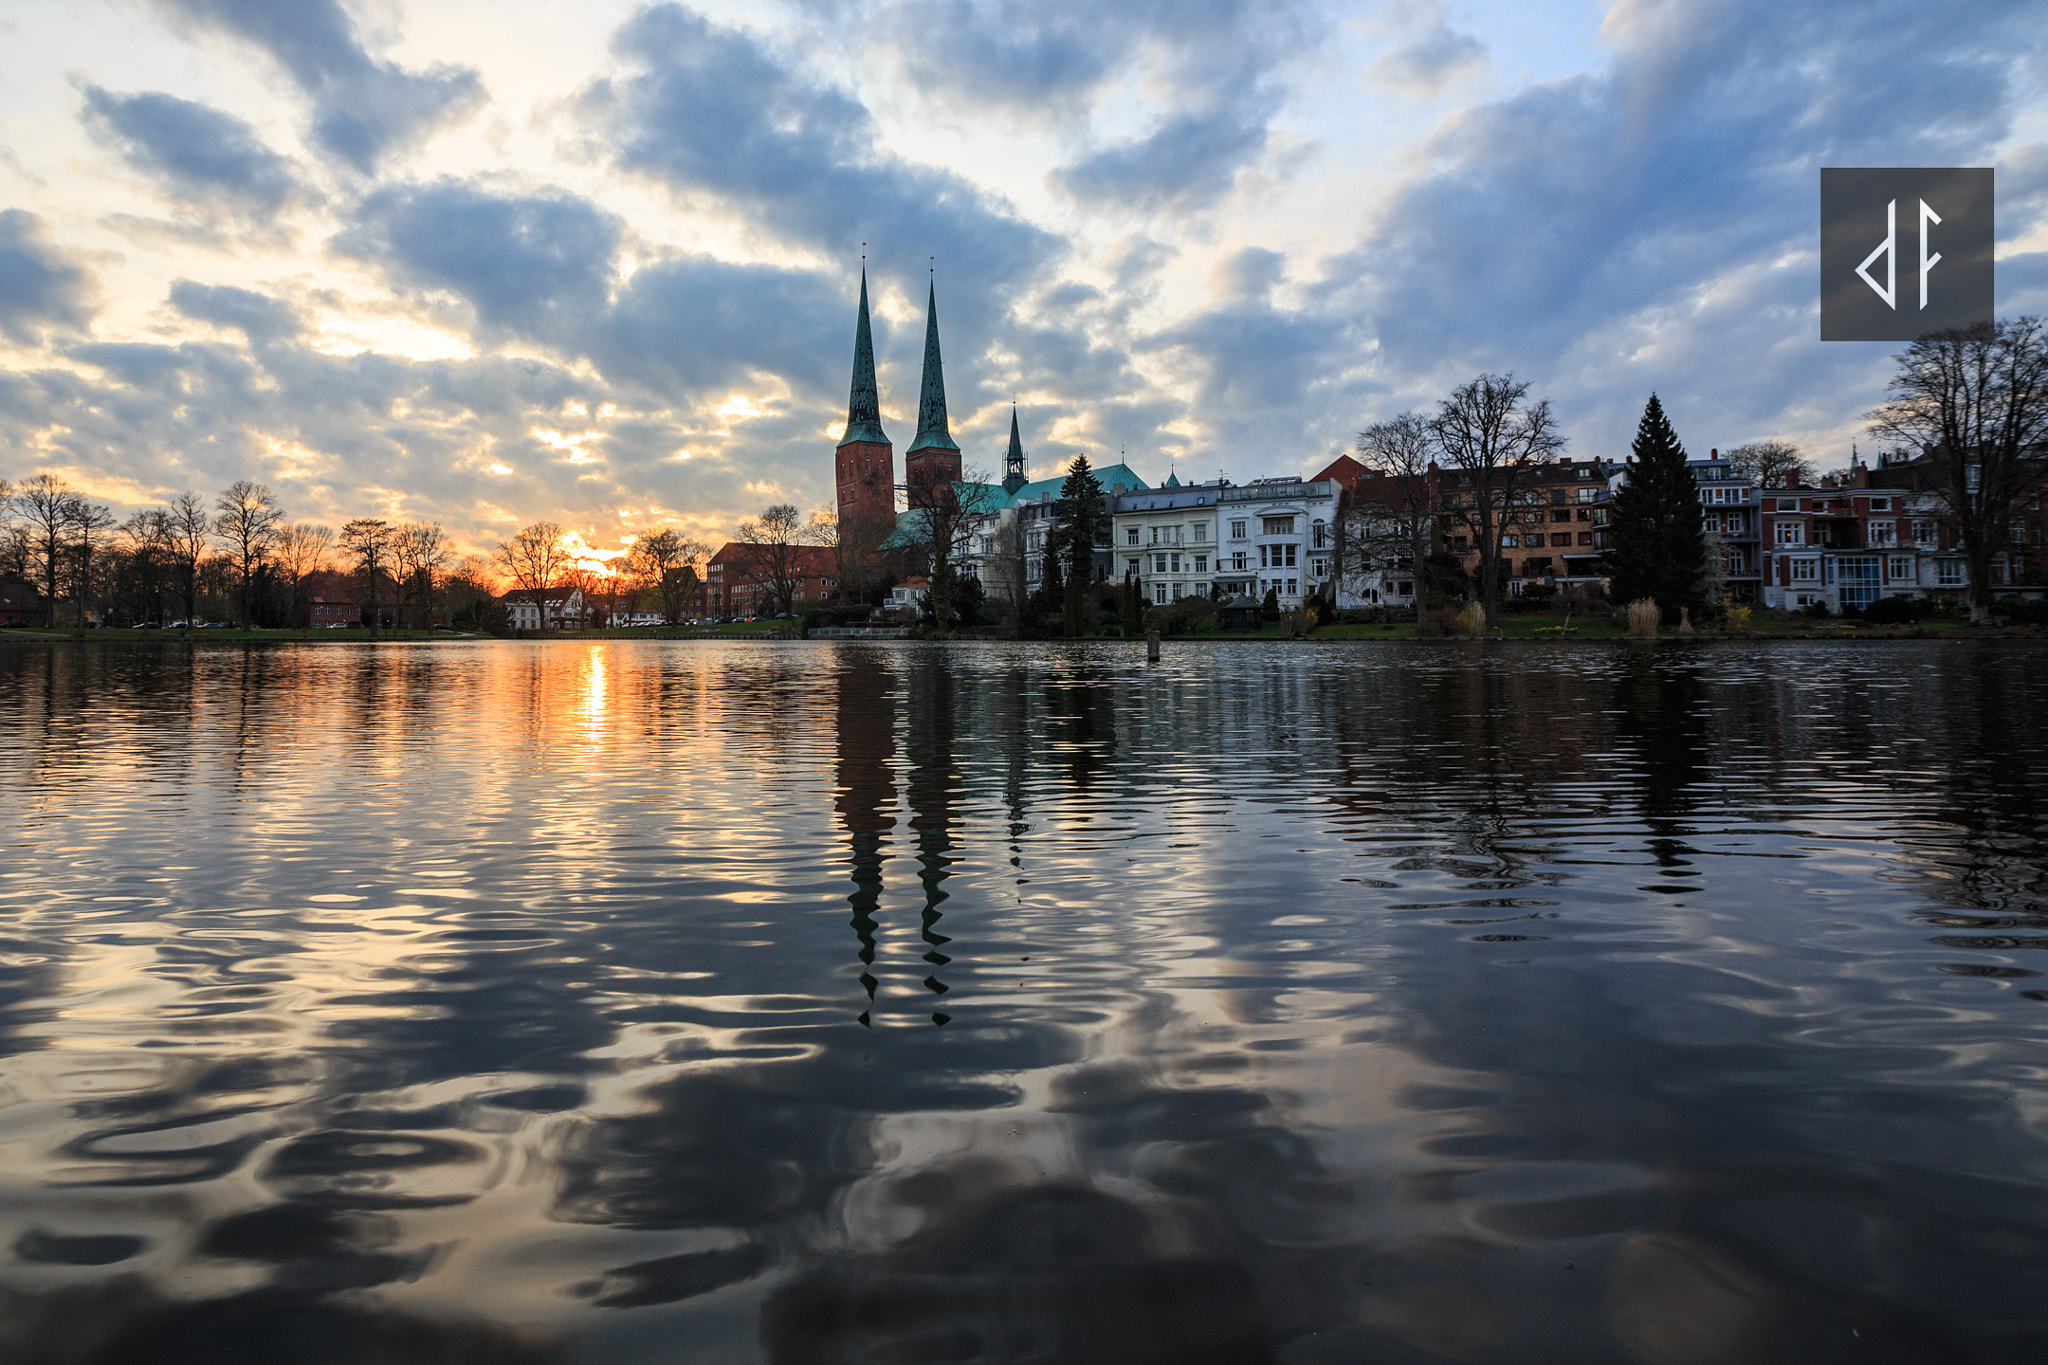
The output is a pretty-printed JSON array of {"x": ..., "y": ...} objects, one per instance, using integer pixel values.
[
  {"x": 564, "y": 612},
  {"x": 1220, "y": 539}
]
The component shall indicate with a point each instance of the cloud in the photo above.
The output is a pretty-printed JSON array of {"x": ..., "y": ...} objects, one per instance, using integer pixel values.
[
  {"x": 528, "y": 264},
  {"x": 198, "y": 154},
  {"x": 1189, "y": 161},
  {"x": 363, "y": 108},
  {"x": 711, "y": 109},
  {"x": 262, "y": 319},
  {"x": 1423, "y": 68},
  {"x": 1596, "y": 229},
  {"x": 41, "y": 285}
]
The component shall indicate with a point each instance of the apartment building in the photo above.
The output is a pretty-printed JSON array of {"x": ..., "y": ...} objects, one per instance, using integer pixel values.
[
  {"x": 1222, "y": 538},
  {"x": 1553, "y": 527},
  {"x": 1733, "y": 517}
]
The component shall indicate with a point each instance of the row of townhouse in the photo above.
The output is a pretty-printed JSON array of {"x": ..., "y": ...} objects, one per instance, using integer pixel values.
[{"x": 1849, "y": 542}]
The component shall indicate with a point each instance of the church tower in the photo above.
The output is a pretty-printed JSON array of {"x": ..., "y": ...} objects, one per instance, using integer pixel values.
[
  {"x": 933, "y": 456},
  {"x": 1013, "y": 459},
  {"x": 866, "y": 463}
]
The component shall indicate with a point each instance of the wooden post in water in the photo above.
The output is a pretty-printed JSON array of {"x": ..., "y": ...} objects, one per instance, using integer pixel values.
[{"x": 1151, "y": 646}]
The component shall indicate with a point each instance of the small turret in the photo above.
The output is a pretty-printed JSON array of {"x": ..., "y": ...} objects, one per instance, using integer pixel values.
[{"x": 1013, "y": 459}]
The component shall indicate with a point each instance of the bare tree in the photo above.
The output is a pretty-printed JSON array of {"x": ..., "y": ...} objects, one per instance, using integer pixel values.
[
  {"x": 536, "y": 561},
  {"x": 1010, "y": 564},
  {"x": 858, "y": 564},
  {"x": 302, "y": 549},
  {"x": 1772, "y": 464},
  {"x": 1390, "y": 515},
  {"x": 1974, "y": 403},
  {"x": 419, "y": 554},
  {"x": 943, "y": 513},
  {"x": 664, "y": 565},
  {"x": 776, "y": 541},
  {"x": 146, "y": 545},
  {"x": 185, "y": 528},
  {"x": 92, "y": 525},
  {"x": 246, "y": 522},
  {"x": 44, "y": 506},
  {"x": 367, "y": 541},
  {"x": 1493, "y": 438}
]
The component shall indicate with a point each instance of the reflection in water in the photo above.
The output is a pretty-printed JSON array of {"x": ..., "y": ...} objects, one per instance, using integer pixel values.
[{"x": 1669, "y": 1003}]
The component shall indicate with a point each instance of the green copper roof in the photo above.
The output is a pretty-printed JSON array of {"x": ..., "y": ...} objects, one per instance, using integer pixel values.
[
  {"x": 1013, "y": 458},
  {"x": 864, "y": 406},
  {"x": 1172, "y": 480},
  {"x": 991, "y": 498},
  {"x": 931, "y": 400}
]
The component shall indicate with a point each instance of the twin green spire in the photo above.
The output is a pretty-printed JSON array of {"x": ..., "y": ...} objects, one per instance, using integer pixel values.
[{"x": 864, "y": 405}]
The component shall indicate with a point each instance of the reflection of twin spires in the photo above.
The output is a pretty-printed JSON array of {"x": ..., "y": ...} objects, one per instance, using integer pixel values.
[{"x": 865, "y": 463}]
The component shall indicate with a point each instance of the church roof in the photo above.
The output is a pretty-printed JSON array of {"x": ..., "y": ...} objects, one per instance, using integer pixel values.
[
  {"x": 990, "y": 498},
  {"x": 864, "y": 404},
  {"x": 931, "y": 400}
]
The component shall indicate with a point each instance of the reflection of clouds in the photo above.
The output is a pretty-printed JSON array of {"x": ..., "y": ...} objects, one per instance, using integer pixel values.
[{"x": 1305, "y": 998}]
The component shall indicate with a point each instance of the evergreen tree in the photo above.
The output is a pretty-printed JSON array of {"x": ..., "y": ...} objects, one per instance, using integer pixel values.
[
  {"x": 1659, "y": 545},
  {"x": 1270, "y": 609},
  {"x": 1080, "y": 513},
  {"x": 1133, "y": 608}
]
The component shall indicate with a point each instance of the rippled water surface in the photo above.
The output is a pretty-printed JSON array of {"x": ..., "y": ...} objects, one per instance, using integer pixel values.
[{"x": 509, "y": 1002}]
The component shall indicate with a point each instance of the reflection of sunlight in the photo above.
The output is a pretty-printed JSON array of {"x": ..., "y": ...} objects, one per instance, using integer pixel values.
[{"x": 594, "y": 684}]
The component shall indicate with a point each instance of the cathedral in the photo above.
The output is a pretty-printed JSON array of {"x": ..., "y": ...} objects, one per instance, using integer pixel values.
[{"x": 865, "y": 463}]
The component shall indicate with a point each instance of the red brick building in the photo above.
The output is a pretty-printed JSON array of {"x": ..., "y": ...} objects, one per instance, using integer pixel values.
[
  {"x": 20, "y": 603},
  {"x": 741, "y": 579}
]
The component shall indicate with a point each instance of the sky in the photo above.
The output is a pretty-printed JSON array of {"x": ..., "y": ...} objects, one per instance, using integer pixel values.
[{"x": 485, "y": 262}]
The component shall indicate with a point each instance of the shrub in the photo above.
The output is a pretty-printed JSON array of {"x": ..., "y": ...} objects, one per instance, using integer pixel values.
[
  {"x": 1736, "y": 617},
  {"x": 1816, "y": 610},
  {"x": 1440, "y": 622},
  {"x": 1643, "y": 617},
  {"x": 1896, "y": 611},
  {"x": 1187, "y": 616},
  {"x": 1472, "y": 620}
]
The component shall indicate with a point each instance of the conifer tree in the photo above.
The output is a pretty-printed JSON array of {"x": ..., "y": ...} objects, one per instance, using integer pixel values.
[
  {"x": 1659, "y": 546},
  {"x": 1080, "y": 512}
]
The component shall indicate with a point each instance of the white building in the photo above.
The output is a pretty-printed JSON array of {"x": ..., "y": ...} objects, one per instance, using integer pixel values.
[
  {"x": 1220, "y": 538},
  {"x": 565, "y": 610}
]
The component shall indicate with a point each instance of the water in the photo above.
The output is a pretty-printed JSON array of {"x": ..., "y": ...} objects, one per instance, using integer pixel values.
[{"x": 700, "y": 1002}]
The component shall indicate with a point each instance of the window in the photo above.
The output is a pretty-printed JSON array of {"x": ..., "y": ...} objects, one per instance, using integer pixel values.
[
  {"x": 1279, "y": 526},
  {"x": 1898, "y": 568},
  {"x": 1881, "y": 533},
  {"x": 1159, "y": 593},
  {"x": 1132, "y": 564},
  {"x": 1558, "y": 495},
  {"x": 1174, "y": 565},
  {"x": 1791, "y": 533},
  {"x": 1320, "y": 568},
  {"x": 1923, "y": 533},
  {"x": 1264, "y": 563},
  {"x": 1458, "y": 543},
  {"x": 1880, "y": 504},
  {"x": 1201, "y": 531},
  {"x": 1788, "y": 504},
  {"x": 1035, "y": 542},
  {"x": 1585, "y": 474},
  {"x": 1237, "y": 562},
  {"x": 1293, "y": 588},
  {"x": 1508, "y": 542},
  {"x": 1201, "y": 563},
  {"x": 1585, "y": 537},
  {"x": 1316, "y": 533},
  {"x": 1176, "y": 592},
  {"x": 1158, "y": 563},
  {"x": 1806, "y": 571},
  {"x": 1405, "y": 588},
  {"x": 1288, "y": 550},
  {"x": 1585, "y": 514},
  {"x": 1133, "y": 536},
  {"x": 1586, "y": 494},
  {"x": 1237, "y": 530}
]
